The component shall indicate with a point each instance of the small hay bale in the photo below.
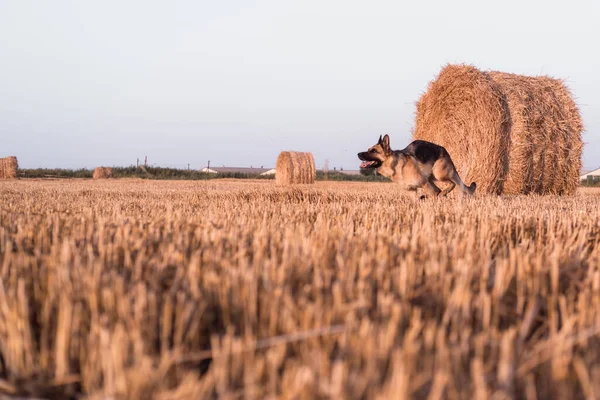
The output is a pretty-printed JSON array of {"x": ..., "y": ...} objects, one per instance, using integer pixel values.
[
  {"x": 295, "y": 168},
  {"x": 298, "y": 174},
  {"x": 284, "y": 169},
  {"x": 102, "y": 173},
  {"x": 8, "y": 167},
  {"x": 313, "y": 169},
  {"x": 506, "y": 132}
]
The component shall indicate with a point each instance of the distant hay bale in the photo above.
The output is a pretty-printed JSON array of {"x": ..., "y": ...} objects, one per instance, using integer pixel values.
[
  {"x": 298, "y": 174},
  {"x": 295, "y": 168},
  {"x": 508, "y": 133},
  {"x": 8, "y": 167},
  {"x": 284, "y": 169},
  {"x": 103, "y": 173},
  {"x": 313, "y": 169}
]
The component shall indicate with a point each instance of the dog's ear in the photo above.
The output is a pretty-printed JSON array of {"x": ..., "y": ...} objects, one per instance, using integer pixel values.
[
  {"x": 379, "y": 141},
  {"x": 386, "y": 143}
]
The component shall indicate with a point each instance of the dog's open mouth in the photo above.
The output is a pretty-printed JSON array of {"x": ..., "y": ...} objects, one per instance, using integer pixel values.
[{"x": 370, "y": 164}]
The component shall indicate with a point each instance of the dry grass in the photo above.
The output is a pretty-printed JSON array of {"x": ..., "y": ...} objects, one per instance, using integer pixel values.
[
  {"x": 8, "y": 167},
  {"x": 295, "y": 168},
  {"x": 508, "y": 133},
  {"x": 104, "y": 172},
  {"x": 145, "y": 289}
]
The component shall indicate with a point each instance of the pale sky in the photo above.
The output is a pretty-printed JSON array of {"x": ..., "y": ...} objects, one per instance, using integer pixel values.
[{"x": 88, "y": 83}]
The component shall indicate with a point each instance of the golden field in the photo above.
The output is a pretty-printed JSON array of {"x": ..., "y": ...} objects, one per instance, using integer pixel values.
[{"x": 247, "y": 290}]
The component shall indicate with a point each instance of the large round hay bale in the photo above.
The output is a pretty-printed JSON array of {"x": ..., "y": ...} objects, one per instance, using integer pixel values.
[
  {"x": 8, "y": 167},
  {"x": 545, "y": 139},
  {"x": 522, "y": 146},
  {"x": 465, "y": 111},
  {"x": 102, "y": 173},
  {"x": 295, "y": 168},
  {"x": 508, "y": 133}
]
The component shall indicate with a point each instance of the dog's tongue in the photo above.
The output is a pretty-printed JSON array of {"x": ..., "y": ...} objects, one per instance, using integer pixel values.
[{"x": 366, "y": 164}]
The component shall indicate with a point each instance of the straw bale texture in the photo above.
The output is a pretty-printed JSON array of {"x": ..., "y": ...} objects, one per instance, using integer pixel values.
[
  {"x": 295, "y": 168},
  {"x": 102, "y": 173},
  {"x": 508, "y": 133},
  {"x": 8, "y": 167}
]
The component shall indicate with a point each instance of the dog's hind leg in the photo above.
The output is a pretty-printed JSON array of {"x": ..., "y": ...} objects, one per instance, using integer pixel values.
[
  {"x": 445, "y": 171},
  {"x": 430, "y": 189},
  {"x": 448, "y": 189}
]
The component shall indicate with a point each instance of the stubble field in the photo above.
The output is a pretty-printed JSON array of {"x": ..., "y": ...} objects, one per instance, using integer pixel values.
[{"x": 246, "y": 290}]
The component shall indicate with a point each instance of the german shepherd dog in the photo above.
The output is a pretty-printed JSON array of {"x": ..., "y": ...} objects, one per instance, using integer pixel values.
[{"x": 419, "y": 165}]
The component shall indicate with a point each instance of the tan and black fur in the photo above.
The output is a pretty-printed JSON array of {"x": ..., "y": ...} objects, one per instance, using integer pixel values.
[{"x": 420, "y": 165}]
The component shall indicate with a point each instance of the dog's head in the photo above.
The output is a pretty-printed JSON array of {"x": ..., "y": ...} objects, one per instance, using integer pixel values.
[{"x": 376, "y": 155}]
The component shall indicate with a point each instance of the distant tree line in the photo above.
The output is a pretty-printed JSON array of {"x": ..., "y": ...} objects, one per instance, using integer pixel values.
[
  {"x": 160, "y": 173},
  {"x": 593, "y": 181}
]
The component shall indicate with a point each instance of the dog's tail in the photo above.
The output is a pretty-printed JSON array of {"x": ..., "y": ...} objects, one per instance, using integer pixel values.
[
  {"x": 471, "y": 188},
  {"x": 464, "y": 188}
]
